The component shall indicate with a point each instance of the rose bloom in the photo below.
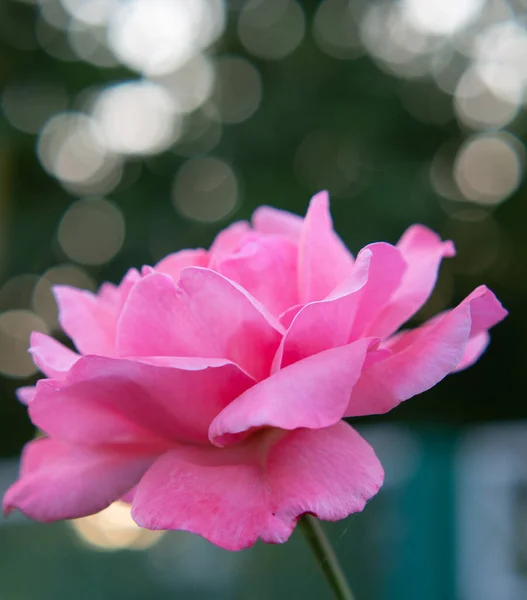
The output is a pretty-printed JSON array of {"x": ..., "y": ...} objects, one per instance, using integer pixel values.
[{"x": 210, "y": 390}]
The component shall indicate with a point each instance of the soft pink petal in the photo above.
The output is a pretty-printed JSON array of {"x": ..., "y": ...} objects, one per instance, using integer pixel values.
[
  {"x": 173, "y": 263},
  {"x": 267, "y": 219},
  {"x": 422, "y": 357},
  {"x": 127, "y": 283},
  {"x": 386, "y": 270},
  {"x": 259, "y": 489},
  {"x": 88, "y": 320},
  {"x": 91, "y": 319},
  {"x": 423, "y": 250},
  {"x": 109, "y": 292},
  {"x": 475, "y": 347},
  {"x": 50, "y": 356},
  {"x": 227, "y": 241},
  {"x": 324, "y": 261},
  {"x": 312, "y": 393},
  {"x": 325, "y": 324},
  {"x": 286, "y": 318},
  {"x": 153, "y": 402},
  {"x": 341, "y": 316},
  {"x": 486, "y": 310},
  {"x": 26, "y": 394},
  {"x": 266, "y": 266},
  {"x": 59, "y": 481},
  {"x": 206, "y": 315}
]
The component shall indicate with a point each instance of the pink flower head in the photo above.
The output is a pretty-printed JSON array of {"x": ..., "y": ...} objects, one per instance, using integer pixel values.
[{"x": 210, "y": 390}]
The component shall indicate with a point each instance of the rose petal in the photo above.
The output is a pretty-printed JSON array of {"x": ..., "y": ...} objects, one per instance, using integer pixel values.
[
  {"x": 88, "y": 320},
  {"x": 343, "y": 315},
  {"x": 311, "y": 393},
  {"x": 119, "y": 401},
  {"x": 387, "y": 268},
  {"x": 26, "y": 394},
  {"x": 475, "y": 347},
  {"x": 59, "y": 481},
  {"x": 50, "y": 356},
  {"x": 323, "y": 260},
  {"x": 205, "y": 316},
  {"x": 109, "y": 292},
  {"x": 227, "y": 241},
  {"x": 173, "y": 263},
  {"x": 423, "y": 250},
  {"x": 259, "y": 488},
  {"x": 422, "y": 357},
  {"x": 266, "y": 266},
  {"x": 267, "y": 219}
]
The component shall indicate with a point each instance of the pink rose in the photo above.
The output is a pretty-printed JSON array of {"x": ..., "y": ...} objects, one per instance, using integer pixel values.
[{"x": 209, "y": 391}]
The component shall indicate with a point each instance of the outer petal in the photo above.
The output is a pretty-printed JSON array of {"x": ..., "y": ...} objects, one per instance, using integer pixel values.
[
  {"x": 173, "y": 263},
  {"x": 59, "y": 481},
  {"x": 109, "y": 292},
  {"x": 312, "y": 393},
  {"x": 118, "y": 401},
  {"x": 423, "y": 250},
  {"x": 343, "y": 315},
  {"x": 259, "y": 488},
  {"x": 26, "y": 394},
  {"x": 124, "y": 288},
  {"x": 324, "y": 324},
  {"x": 475, "y": 347},
  {"x": 270, "y": 220},
  {"x": 50, "y": 356},
  {"x": 323, "y": 260},
  {"x": 386, "y": 270},
  {"x": 422, "y": 357},
  {"x": 227, "y": 241},
  {"x": 206, "y": 315},
  {"x": 88, "y": 320},
  {"x": 266, "y": 266}
]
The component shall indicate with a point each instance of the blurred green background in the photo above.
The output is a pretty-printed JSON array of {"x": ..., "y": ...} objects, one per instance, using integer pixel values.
[{"x": 133, "y": 128}]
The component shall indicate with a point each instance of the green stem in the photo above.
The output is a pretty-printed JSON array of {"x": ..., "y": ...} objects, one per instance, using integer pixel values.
[{"x": 326, "y": 557}]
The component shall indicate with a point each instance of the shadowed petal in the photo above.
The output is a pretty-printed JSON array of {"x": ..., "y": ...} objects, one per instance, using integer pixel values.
[
  {"x": 311, "y": 393},
  {"x": 259, "y": 488},
  {"x": 59, "y": 481},
  {"x": 150, "y": 402}
]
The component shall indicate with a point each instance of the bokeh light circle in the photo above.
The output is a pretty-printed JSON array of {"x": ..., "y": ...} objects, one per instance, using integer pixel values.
[
  {"x": 136, "y": 117},
  {"x": 488, "y": 168},
  {"x": 91, "y": 231},
  {"x": 271, "y": 29},
  {"x": 205, "y": 189}
]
